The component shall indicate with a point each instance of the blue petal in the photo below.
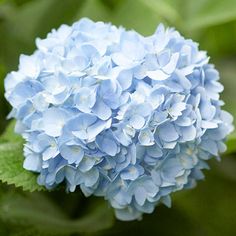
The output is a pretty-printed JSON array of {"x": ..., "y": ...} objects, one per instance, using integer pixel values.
[
  {"x": 154, "y": 151},
  {"x": 157, "y": 75},
  {"x": 132, "y": 172},
  {"x": 86, "y": 163},
  {"x": 53, "y": 121},
  {"x": 107, "y": 144},
  {"x": 171, "y": 66},
  {"x": 188, "y": 133},
  {"x": 137, "y": 121},
  {"x": 125, "y": 78},
  {"x": 140, "y": 195},
  {"x": 85, "y": 99},
  {"x": 167, "y": 132},
  {"x": 210, "y": 146},
  {"x": 146, "y": 137},
  {"x": 72, "y": 153},
  {"x": 91, "y": 177},
  {"x": 102, "y": 110},
  {"x": 33, "y": 162}
]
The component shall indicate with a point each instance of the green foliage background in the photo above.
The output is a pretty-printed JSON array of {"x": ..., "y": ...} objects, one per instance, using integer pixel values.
[{"x": 28, "y": 210}]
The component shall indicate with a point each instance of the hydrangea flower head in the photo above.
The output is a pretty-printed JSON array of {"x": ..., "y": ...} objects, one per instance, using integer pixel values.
[{"x": 118, "y": 115}]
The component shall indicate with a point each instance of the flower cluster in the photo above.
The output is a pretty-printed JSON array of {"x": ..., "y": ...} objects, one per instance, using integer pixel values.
[{"x": 122, "y": 116}]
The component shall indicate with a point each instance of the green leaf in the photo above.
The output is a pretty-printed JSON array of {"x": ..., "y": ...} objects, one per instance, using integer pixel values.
[
  {"x": 164, "y": 9},
  {"x": 211, "y": 205},
  {"x": 94, "y": 10},
  {"x": 3, "y": 103},
  {"x": 36, "y": 211},
  {"x": 204, "y": 13},
  {"x": 11, "y": 162},
  {"x": 120, "y": 15},
  {"x": 57, "y": 13},
  {"x": 9, "y": 134},
  {"x": 28, "y": 232},
  {"x": 227, "y": 70},
  {"x": 21, "y": 25},
  {"x": 11, "y": 167},
  {"x": 207, "y": 210},
  {"x": 227, "y": 167},
  {"x": 142, "y": 18},
  {"x": 111, "y": 4},
  {"x": 190, "y": 15},
  {"x": 231, "y": 144}
]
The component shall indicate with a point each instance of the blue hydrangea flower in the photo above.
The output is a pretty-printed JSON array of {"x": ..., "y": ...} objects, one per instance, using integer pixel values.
[{"x": 119, "y": 115}]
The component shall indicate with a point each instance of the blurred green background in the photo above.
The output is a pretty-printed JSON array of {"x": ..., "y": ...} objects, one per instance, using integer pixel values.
[{"x": 209, "y": 209}]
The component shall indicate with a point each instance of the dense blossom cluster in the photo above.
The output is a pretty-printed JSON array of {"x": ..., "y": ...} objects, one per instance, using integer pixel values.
[{"x": 122, "y": 116}]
